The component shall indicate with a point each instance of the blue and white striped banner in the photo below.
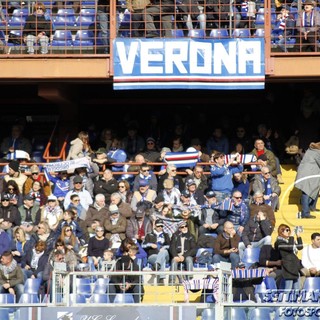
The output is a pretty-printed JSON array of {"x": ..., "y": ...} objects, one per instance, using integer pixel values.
[{"x": 185, "y": 63}]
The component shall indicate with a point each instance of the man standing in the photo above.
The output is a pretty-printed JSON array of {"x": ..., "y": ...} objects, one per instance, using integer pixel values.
[
  {"x": 308, "y": 180},
  {"x": 226, "y": 246},
  {"x": 311, "y": 257}
]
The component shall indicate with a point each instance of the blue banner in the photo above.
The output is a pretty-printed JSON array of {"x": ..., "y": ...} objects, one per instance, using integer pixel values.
[{"x": 189, "y": 63}]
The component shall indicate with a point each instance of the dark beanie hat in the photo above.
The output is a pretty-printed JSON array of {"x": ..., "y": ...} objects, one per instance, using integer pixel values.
[{"x": 14, "y": 165}]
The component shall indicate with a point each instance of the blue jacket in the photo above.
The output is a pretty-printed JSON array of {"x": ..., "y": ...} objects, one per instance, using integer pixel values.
[{"x": 222, "y": 177}]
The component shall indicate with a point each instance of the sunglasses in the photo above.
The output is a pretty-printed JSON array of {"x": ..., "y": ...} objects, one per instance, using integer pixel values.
[
  {"x": 34, "y": 173},
  {"x": 67, "y": 230},
  {"x": 39, "y": 8},
  {"x": 267, "y": 172},
  {"x": 76, "y": 200},
  {"x": 160, "y": 226},
  {"x": 3, "y": 200},
  {"x": 78, "y": 183},
  {"x": 10, "y": 188},
  {"x": 183, "y": 227},
  {"x": 238, "y": 197},
  {"x": 145, "y": 170}
]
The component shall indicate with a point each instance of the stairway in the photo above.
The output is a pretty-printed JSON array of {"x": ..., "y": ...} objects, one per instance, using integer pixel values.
[{"x": 290, "y": 205}]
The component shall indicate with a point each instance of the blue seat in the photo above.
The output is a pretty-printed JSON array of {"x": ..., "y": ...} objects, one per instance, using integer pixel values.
[
  {"x": 4, "y": 314},
  {"x": 197, "y": 33},
  {"x": 3, "y": 37},
  {"x": 99, "y": 298},
  {"x": 259, "y": 19},
  {"x": 83, "y": 286},
  {"x": 123, "y": 298},
  {"x": 208, "y": 314},
  {"x": 219, "y": 33},
  {"x": 241, "y": 33},
  {"x": 7, "y": 298},
  {"x": 177, "y": 33},
  {"x": 32, "y": 285},
  {"x": 267, "y": 290},
  {"x": 101, "y": 285},
  {"x": 88, "y": 3},
  {"x": 311, "y": 283},
  {"x": 260, "y": 314},
  {"x": 235, "y": 313},
  {"x": 84, "y": 38},
  {"x": 250, "y": 256},
  {"x": 62, "y": 38},
  {"x": 20, "y": 12},
  {"x": 29, "y": 298},
  {"x": 17, "y": 21},
  {"x": 259, "y": 33},
  {"x": 65, "y": 18},
  {"x": 86, "y": 17},
  {"x": 79, "y": 298}
]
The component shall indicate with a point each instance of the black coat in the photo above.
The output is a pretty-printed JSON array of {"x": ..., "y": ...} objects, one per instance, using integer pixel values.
[
  {"x": 291, "y": 264},
  {"x": 255, "y": 230},
  {"x": 36, "y": 24},
  {"x": 190, "y": 246}
]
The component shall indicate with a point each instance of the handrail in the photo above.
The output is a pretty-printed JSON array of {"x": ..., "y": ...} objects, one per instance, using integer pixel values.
[{"x": 62, "y": 154}]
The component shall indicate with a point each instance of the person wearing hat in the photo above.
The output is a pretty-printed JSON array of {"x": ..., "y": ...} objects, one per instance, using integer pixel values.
[
  {"x": 221, "y": 175},
  {"x": 15, "y": 174},
  {"x": 9, "y": 215},
  {"x": 30, "y": 215},
  {"x": 36, "y": 176},
  {"x": 196, "y": 195},
  {"x": 207, "y": 224},
  {"x": 140, "y": 224},
  {"x": 52, "y": 213},
  {"x": 101, "y": 158},
  {"x": 182, "y": 249},
  {"x": 88, "y": 175},
  {"x": 156, "y": 244},
  {"x": 283, "y": 29},
  {"x": 145, "y": 173},
  {"x": 308, "y": 24},
  {"x": 151, "y": 154},
  {"x": 84, "y": 195},
  {"x": 144, "y": 193},
  {"x": 115, "y": 226}
]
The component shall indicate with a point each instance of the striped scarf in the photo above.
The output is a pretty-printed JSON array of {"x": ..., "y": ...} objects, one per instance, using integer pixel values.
[{"x": 307, "y": 21}]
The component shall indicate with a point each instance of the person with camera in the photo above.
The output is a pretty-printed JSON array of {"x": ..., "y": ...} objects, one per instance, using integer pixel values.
[
  {"x": 257, "y": 232},
  {"x": 288, "y": 246}
]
